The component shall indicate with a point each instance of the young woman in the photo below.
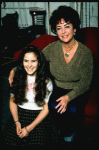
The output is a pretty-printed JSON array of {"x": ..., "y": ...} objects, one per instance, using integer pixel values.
[{"x": 30, "y": 92}]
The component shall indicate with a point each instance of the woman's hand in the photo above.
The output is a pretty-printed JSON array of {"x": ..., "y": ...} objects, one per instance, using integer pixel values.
[
  {"x": 24, "y": 133},
  {"x": 11, "y": 76},
  {"x": 62, "y": 105},
  {"x": 18, "y": 128}
]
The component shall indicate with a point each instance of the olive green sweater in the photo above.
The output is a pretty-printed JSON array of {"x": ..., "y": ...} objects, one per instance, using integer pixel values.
[{"x": 75, "y": 75}]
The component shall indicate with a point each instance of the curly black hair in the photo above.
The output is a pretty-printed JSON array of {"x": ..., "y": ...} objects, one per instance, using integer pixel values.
[
  {"x": 20, "y": 78},
  {"x": 68, "y": 14}
]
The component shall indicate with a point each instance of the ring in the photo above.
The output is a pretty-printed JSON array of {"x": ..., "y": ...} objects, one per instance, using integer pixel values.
[{"x": 63, "y": 110}]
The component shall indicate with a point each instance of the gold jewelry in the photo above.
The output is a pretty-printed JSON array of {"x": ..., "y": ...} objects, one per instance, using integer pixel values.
[
  {"x": 74, "y": 33},
  {"x": 16, "y": 121},
  {"x": 67, "y": 54},
  {"x": 26, "y": 130}
]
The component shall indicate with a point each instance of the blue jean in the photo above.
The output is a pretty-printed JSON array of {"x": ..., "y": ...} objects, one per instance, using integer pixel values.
[{"x": 67, "y": 122}]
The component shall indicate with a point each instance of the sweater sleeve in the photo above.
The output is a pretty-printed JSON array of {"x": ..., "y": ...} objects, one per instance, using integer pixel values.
[{"x": 86, "y": 71}]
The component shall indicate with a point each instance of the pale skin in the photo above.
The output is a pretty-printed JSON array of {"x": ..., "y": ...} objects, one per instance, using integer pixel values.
[
  {"x": 65, "y": 33},
  {"x": 30, "y": 64},
  {"x": 22, "y": 132}
]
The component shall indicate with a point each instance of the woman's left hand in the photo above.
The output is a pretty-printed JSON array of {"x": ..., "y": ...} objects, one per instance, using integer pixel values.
[
  {"x": 24, "y": 133},
  {"x": 62, "y": 105}
]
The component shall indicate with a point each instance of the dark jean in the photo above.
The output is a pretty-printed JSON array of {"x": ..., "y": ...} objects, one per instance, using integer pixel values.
[{"x": 69, "y": 121}]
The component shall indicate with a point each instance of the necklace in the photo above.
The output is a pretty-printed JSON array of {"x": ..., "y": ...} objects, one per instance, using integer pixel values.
[{"x": 67, "y": 54}]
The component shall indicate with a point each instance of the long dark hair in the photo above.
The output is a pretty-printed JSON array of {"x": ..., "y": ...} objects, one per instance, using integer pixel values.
[{"x": 20, "y": 78}]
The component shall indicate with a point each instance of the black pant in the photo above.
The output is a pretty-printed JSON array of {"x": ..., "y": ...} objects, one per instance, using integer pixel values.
[{"x": 69, "y": 121}]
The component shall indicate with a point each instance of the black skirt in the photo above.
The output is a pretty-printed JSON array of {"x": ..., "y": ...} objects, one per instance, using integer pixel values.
[{"x": 43, "y": 134}]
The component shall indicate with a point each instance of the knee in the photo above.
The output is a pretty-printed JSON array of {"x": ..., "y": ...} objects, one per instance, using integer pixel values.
[{"x": 52, "y": 105}]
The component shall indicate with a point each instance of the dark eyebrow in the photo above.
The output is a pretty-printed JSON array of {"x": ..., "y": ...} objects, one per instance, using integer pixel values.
[
  {"x": 64, "y": 25},
  {"x": 58, "y": 26}
]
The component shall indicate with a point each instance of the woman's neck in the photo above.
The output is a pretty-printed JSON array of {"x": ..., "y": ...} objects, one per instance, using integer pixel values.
[
  {"x": 68, "y": 45},
  {"x": 29, "y": 75}
]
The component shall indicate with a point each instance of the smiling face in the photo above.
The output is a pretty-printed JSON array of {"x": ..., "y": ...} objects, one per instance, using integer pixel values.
[
  {"x": 30, "y": 63},
  {"x": 65, "y": 31}
]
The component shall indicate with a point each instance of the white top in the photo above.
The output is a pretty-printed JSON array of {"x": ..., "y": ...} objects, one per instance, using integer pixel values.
[{"x": 30, "y": 94}]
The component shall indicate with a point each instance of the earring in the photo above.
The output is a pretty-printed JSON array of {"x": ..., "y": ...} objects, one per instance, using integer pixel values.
[{"x": 74, "y": 33}]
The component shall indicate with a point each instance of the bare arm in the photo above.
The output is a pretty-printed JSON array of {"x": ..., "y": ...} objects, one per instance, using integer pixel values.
[
  {"x": 11, "y": 76},
  {"x": 38, "y": 120},
  {"x": 13, "y": 109},
  {"x": 14, "y": 112}
]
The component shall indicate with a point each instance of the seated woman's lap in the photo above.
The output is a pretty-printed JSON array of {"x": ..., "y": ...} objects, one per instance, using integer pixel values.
[{"x": 57, "y": 93}]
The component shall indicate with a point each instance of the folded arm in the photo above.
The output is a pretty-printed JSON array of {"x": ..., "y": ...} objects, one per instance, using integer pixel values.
[{"x": 42, "y": 115}]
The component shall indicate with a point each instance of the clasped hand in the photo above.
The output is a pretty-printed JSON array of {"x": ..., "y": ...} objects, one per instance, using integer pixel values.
[
  {"x": 62, "y": 105},
  {"x": 21, "y": 132}
]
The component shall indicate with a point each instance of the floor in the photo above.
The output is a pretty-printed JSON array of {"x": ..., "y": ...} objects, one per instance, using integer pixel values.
[{"x": 86, "y": 137}]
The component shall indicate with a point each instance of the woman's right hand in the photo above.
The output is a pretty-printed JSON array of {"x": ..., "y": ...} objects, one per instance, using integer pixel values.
[
  {"x": 18, "y": 128},
  {"x": 11, "y": 76}
]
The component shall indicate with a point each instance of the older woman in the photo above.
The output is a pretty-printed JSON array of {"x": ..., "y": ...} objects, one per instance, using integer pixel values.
[{"x": 71, "y": 65}]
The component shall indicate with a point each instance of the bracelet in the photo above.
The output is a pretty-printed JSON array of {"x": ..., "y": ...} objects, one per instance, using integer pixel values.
[
  {"x": 26, "y": 130},
  {"x": 16, "y": 121}
]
